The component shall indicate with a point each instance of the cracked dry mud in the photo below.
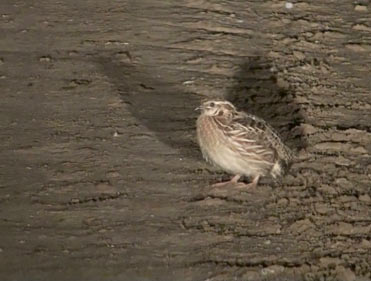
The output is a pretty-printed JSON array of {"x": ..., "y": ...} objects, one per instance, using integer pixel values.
[{"x": 100, "y": 176}]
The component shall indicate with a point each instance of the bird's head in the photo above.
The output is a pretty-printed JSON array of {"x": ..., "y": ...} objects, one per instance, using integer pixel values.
[{"x": 217, "y": 108}]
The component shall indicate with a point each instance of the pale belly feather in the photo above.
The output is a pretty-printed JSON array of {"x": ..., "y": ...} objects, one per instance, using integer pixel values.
[{"x": 232, "y": 162}]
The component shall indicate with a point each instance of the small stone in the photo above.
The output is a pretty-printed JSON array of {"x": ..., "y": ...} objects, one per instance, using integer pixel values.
[
  {"x": 289, "y": 5},
  {"x": 360, "y": 8},
  {"x": 273, "y": 69},
  {"x": 308, "y": 129},
  {"x": 341, "y": 161},
  {"x": 45, "y": 59},
  {"x": 75, "y": 200},
  {"x": 273, "y": 269}
]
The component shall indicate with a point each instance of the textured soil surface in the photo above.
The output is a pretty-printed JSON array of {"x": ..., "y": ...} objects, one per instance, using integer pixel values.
[{"x": 100, "y": 174}]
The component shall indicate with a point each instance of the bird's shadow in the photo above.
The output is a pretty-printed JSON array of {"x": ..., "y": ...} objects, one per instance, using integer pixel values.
[{"x": 158, "y": 104}]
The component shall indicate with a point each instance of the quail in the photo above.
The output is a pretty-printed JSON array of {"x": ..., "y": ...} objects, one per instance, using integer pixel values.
[{"x": 241, "y": 144}]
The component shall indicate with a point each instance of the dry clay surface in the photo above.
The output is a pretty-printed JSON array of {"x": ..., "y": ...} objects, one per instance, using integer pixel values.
[{"x": 100, "y": 175}]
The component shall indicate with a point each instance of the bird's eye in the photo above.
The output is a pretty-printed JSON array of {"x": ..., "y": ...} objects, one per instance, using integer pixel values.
[{"x": 212, "y": 104}]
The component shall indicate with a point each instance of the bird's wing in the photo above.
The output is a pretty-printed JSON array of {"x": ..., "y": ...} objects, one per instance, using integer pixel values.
[
  {"x": 248, "y": 133},
  {"x": 256, "y": 138}
]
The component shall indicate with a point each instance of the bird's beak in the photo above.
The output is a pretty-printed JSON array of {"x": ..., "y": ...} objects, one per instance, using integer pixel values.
[{"x": 198, "y": 108}]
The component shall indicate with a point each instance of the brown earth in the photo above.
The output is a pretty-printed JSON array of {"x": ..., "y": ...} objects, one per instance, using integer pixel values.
[{"x": 100, "y": 175}]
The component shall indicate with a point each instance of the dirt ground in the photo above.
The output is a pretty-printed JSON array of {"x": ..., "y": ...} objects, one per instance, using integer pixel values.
[{"x": 100, "y": 174}]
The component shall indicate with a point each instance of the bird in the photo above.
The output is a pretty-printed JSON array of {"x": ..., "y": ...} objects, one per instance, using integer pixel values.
[{"x": 240, "y": 144}]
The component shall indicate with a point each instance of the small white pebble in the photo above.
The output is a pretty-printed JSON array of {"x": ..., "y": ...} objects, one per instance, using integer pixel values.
[
  {"x": 273, "y": 69},
  {"x": 188, "y": 82},
  {"x": 45, "y": 59},
  {"x": 266, "y": 271},
  {"x": 289, "y": 5},
  {"x": 116, "y": 134}
]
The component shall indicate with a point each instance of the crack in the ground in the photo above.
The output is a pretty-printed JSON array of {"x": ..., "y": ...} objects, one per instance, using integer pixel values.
[
  {"x": 244, "y": 264},
  {"x": 100, "y": 198}
]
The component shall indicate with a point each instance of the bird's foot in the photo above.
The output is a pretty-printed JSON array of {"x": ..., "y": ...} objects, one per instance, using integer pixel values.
[
  {"x": 246, "y": 186},
  {"x": 233, "y": 183}
]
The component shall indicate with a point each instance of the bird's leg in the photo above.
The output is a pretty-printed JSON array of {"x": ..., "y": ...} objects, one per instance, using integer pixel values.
[
  {"x": 232, "y": 187},
  {"x": 254, "y": 182},
  {"x": 251, "y": 185},
  {"x": 233, "y": 181}
]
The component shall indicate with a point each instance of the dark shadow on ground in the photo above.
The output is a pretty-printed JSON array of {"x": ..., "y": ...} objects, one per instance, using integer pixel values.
[{"x": 156, "y": 104}]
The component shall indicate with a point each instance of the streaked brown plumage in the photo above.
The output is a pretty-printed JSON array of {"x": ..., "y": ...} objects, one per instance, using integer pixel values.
[{"x": 239, "y": 143}]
